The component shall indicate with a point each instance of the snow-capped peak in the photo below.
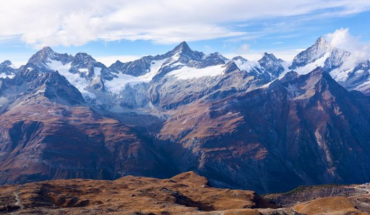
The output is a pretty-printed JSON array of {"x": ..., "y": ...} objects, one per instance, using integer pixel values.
[
  {"x": 313, "y": 53},
  {"x": 46, "y": 55},
  {"x": 245, "y": 65},
  {"x": 320, "y": 47},
  {"x": 321, "y": 42}
]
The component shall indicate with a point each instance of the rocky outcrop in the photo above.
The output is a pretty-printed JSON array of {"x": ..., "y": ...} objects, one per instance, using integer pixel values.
[
  {"x": 186, "y": 193},
  {"x": 181, "y": 194}
]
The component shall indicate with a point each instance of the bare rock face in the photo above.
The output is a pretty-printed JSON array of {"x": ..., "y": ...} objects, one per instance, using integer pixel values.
[{"x": 294, "y": 131}]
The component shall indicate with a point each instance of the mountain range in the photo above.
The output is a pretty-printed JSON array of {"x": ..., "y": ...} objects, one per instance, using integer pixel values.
[{"x": 265, "y": 125}]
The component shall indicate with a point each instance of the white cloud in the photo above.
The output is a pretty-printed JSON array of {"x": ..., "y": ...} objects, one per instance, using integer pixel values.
[
  {"x": 244, "y": 49},
  {"x": 3, "y": 101},
  {"x": 342, "y": 39},
  {"x": 70, "y": 22},
  {"x": 360, "y": 51}
]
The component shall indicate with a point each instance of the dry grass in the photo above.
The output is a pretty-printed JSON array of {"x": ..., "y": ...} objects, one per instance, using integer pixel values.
[{"x": 329, "y": 206}]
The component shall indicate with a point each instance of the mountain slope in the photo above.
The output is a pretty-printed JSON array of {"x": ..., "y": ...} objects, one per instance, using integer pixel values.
[
  {"x": 47, "y": 131},
  {"x": 294, "y": 131}
]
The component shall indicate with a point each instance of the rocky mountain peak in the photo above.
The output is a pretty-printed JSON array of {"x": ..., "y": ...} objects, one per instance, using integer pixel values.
[
  {"x": 321, "y": 41},
  {"x": 313, "y": 53},
  {"x": 271, "y": 64},
  {"x": 231, "y": 67},
  {"x": 240, "y": 58},
  {"x": 46, "y": 55},
  {"x": 319, "y": 72},
  {"x": 84, "y": 57},
  {"x": 6, "y": 63},
  {"x": 46, "y": 51},
  {"x": 184, "y": 53},
  {"x": 269, "y": 58},
  {"x": 183, "y": 47},
  {"x": 321, "y": 47},
  {"x": 41, "y": 55},
  {"x": 315, "y": 82},
  {"x": 7, "y": 68}
]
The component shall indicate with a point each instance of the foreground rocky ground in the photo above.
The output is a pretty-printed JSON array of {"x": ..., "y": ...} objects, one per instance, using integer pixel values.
[{"x": 186, "y": 193}]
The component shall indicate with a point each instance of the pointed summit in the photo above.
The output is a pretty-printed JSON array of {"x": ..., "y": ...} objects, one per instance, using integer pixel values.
[
  {"x": 41, "y": 56},
  {"x": 182, "y": 48},
  {"x": 239, "y": 58},
  {"x": 231, "y": 67},
  {"x": 47, "y": 49},
  {"x": 316, "y": 51},
  {"x": 322, "y": 46},
  {"x": 321, "y": 41},
  {"x": 269, "y": 57},
  {"x": 45, "y": 55},
  {"x": 271, "y": 64}
]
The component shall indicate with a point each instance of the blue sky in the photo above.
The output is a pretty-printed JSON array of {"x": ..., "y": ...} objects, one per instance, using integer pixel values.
[{"x": 126, "y": 30}]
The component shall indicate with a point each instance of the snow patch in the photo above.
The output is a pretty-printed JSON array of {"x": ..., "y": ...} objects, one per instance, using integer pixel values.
[
  {"x": 13, "y": 66},
  {"x": 97, "y": 71},
  {"x": 311, "y": 66},
  {"x": 3, "y": 101},
  {"x": 364, "y": 86},
  {"x": 84, "y": 70},
  {"x": 341, "y": 75},
  {"x": 190, "y": 73},
  {"x": 285, "y": 65},
  {"x": 155, "y": 66},
  {"x": 80, "y": 83},
  {"x": 116, "y": 85},
  {"x": 3, "y": 75},
  {"x": 246, "y": 65}
]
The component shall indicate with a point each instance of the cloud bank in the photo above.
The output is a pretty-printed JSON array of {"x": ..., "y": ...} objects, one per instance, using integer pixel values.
[
  {"x": 360, "y": 51},
  {"x": 69, "y": 22}
]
